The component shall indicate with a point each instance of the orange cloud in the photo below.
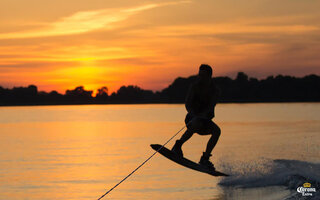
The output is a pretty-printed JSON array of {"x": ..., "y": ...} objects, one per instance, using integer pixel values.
[{"x": 85, "y": 21}]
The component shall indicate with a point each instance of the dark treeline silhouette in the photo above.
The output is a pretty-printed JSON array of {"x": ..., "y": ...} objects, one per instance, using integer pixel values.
[{"x": 241, "y": 89}]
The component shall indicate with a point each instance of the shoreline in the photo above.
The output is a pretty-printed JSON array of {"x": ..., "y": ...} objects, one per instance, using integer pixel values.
[{"x": 156, "y": 103}]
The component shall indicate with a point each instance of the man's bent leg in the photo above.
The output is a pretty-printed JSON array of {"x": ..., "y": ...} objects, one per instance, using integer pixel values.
[
  {"x": 177, "y": 146},
  {"x": 215, "y": 131},
  {"x": 186, "y": 136},
  {"x": 193, "y": 125}
]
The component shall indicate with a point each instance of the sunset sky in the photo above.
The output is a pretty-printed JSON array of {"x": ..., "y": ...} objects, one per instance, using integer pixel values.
[{"x": 58, "y": 45}]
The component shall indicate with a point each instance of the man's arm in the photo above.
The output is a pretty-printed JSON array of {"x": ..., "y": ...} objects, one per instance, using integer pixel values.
[
  {"x": 189, "y": 99},
  {"x": 209, "y": 111}
]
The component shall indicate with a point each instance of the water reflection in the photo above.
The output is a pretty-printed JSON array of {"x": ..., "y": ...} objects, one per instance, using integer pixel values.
[{"x": 79, "y": 152}]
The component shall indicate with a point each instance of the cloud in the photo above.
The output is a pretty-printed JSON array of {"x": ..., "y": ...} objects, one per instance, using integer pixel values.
[
  {"x": 232, "y": 28},
  {"x": 85, "y": 21}
]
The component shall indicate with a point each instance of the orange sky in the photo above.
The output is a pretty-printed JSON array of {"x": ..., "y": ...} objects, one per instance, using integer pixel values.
[{"x": 58, "y": 45}]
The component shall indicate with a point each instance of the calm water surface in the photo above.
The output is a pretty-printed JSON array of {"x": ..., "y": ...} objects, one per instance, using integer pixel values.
[{"x": 79, "y": 152}]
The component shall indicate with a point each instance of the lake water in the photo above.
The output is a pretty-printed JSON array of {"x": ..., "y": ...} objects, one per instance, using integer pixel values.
[{"x": 80, "y": 152}]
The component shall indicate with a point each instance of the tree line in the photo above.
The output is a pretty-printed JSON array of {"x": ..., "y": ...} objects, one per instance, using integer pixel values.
[{"x": 241, "y": 89}]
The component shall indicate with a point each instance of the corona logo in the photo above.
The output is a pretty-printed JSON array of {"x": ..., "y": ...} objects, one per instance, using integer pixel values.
[
  {"x": 307, "y": 185},
  {"x": 306, "y": 190}
]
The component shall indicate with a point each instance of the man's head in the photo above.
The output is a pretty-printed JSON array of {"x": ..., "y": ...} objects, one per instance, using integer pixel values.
[{"x": 205, "y": 72}]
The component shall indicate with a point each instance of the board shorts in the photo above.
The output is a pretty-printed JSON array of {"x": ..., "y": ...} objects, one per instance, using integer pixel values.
[{"x": 200, "y": 125}]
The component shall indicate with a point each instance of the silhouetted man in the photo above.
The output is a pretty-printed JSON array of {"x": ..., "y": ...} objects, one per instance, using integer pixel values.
[{"x": 200, "y": 104}]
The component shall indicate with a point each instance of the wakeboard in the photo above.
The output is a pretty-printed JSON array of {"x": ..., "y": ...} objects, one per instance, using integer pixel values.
[{"x": 184, "y": 161}]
